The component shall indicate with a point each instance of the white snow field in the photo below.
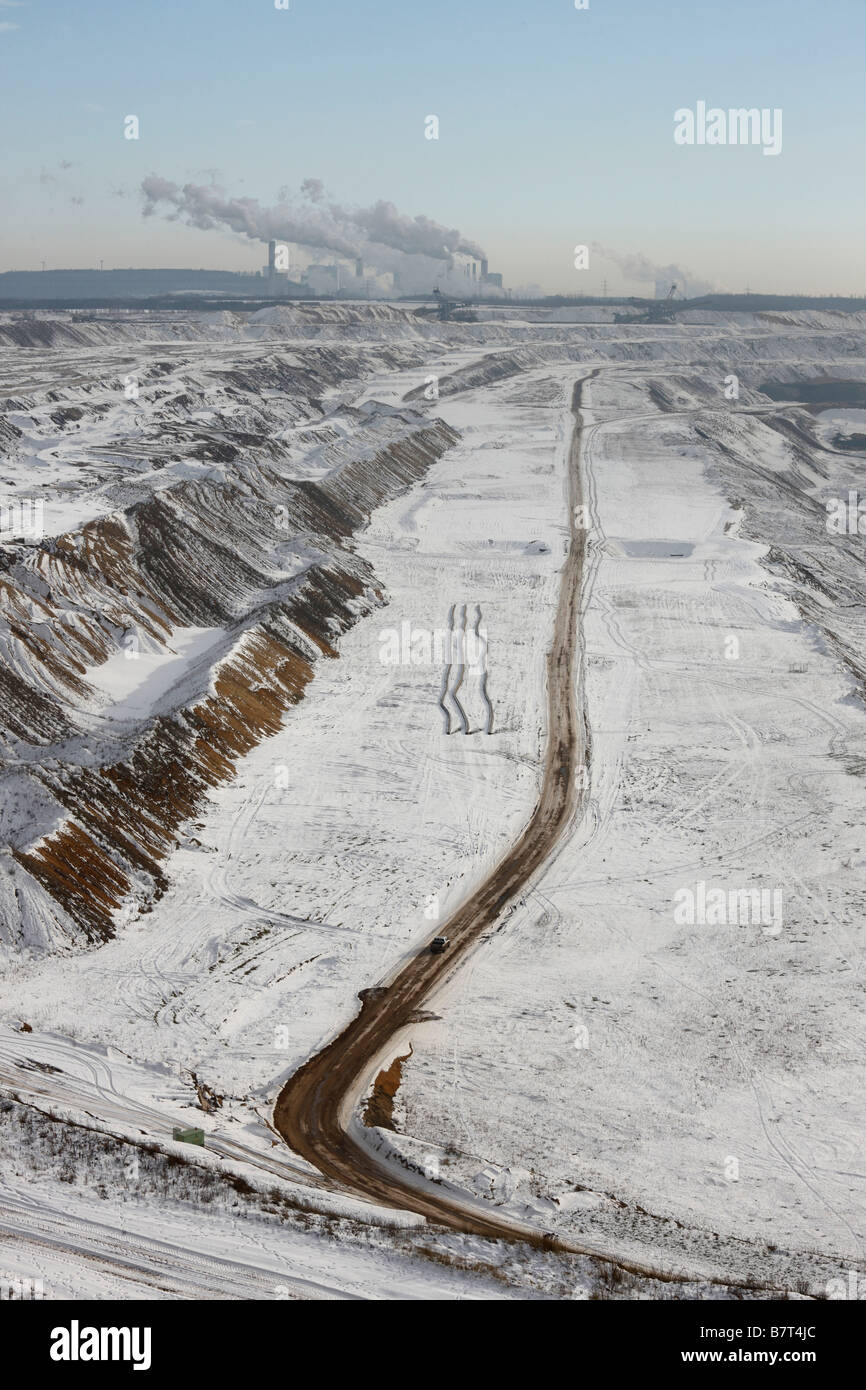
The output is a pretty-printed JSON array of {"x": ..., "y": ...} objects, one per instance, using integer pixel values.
[{"x": 646, "y": 1056}]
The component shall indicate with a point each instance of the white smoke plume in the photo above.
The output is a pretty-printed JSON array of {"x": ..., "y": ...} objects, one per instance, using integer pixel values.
[
  {"x": 308, "y": 221},
  {"x": 641, "y": 268}
]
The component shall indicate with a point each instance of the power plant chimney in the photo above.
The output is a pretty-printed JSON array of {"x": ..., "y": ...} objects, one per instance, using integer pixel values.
[
  {"x": 484, "y": 269},
  {"x": 359, "y": 268},
  {"x": 272, "y": 257}
]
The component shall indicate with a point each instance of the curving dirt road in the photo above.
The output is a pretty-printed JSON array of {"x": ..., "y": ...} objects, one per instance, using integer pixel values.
[{"x": 314, "y": 1111}]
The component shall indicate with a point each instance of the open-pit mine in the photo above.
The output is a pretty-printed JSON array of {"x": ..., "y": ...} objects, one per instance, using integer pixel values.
[{"x": 331, "y": 628}]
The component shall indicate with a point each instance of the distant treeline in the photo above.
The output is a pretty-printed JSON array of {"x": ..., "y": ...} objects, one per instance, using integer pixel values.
[
  {"x": 236, "y": 303},
  {"x": 223, "y": 289},
  {"x": 733, "y": 303}
]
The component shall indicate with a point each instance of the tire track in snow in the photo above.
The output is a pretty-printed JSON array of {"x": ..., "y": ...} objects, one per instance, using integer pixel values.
[{"x": 314, "y": 1111}]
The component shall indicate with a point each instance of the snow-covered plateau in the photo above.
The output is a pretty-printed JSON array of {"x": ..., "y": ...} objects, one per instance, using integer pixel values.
[{"x": 278, "y": 592}]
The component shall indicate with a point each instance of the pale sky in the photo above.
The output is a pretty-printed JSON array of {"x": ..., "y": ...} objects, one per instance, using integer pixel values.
[{"x": 555, "y": 129}]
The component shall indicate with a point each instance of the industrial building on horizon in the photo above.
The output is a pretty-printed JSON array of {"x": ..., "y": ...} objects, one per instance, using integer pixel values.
[
  {"x": 279, "y": 278},
  {"x": 336, "y": 278},
  {"x": 480, "y": 274},
  {"x": 319, "y": 279}
]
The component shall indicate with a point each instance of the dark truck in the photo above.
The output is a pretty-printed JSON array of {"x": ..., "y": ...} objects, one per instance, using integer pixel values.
[{"x": 438, "y": 945}]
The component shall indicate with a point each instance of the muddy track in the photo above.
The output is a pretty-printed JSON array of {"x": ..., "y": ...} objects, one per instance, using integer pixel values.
[{"x": 314, "y": 1111}]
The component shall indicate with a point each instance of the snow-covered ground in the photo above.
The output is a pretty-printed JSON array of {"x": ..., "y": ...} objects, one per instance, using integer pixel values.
[
  {"x": 320, "y": 863},
  {"x": 705, "y": 1071},
  {"x": 676, "y": 1090}
]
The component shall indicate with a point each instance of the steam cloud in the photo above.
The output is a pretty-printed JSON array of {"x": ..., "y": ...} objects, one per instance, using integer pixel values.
[
  {"x": 639, "y": 267},
  {"x": 313, "y": 222}
]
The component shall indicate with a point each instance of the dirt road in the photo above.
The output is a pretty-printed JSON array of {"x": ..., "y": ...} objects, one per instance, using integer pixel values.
[{"x": 315, "y": 1108}]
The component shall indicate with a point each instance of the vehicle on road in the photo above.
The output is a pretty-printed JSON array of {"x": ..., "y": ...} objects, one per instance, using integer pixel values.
[{"x": 438, "y": 945}]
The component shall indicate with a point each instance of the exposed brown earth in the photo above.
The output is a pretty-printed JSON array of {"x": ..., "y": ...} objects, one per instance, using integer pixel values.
[
  {"x": 315, "y": 1111},
  {"x": 315, "y": 1108},
  {"x": 380, "y": 1106},
  {"x": 206, "y": 554}
]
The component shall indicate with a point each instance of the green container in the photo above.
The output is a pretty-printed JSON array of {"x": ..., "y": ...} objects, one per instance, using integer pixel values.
[{"x": 188, "y": 1136}]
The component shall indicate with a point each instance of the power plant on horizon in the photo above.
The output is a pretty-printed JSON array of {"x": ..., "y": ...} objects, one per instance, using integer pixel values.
[
  {"x": 460, "y": 275},
  {"x": 333, "y": 279}
]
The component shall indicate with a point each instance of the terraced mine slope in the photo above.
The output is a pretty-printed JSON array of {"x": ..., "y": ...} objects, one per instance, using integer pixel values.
[
  {"x": 242, "y": 784},
  {"x": 243, "y": 537}
]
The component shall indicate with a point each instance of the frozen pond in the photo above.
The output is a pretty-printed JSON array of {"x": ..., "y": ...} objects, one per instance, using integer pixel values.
[{"x": 654, "y": 550}]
